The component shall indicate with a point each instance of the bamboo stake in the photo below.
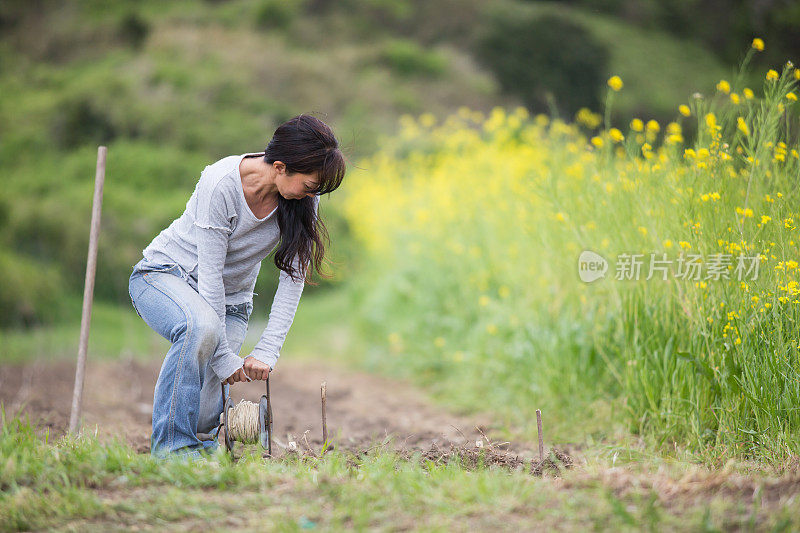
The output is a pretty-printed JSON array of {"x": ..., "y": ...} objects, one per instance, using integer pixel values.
[
  {"x": 88, "y": 288},
  {"x": 541, "y": 437},
  {"x": 324, "y": 419}
]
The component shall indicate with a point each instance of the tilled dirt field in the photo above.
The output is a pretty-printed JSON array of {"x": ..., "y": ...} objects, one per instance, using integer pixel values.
[{"x": 362, "y": 409}]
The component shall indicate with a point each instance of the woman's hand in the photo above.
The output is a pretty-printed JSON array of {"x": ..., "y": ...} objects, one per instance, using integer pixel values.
[
  {"x": 255, "y": 368},
  {"x": 239, "y": 375}
]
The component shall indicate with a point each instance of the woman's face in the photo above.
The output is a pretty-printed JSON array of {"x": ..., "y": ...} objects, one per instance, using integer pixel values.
[{"x": 295, "y": 186}]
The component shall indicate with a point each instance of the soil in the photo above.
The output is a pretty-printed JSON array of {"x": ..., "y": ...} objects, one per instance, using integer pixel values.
[{"x": 362, "y": 409}]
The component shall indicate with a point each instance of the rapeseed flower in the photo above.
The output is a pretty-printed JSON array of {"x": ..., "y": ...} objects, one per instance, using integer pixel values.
[{"x": 615, "y": 82}]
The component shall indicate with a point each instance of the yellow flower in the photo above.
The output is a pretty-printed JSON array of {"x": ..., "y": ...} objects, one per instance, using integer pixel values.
[
  {"x": 703, "y": 153},
  {"x": 652, "y": 125},
  {"x": 491, "y": 329},
  {"x": 797, "y": 74},
  {"x": 684, "y": 244},
  {"x": 483, "y": 301},
  {"x": 673, "y": 128},
  {"x": 791, "y": 97},
  {"x": 723, "y": 86},
  {"x": 616, "y": 135},
  {"x": 597, "y": 141},
  {"x": 742, "y": 126},
  {"x": 615, "y": 82},
  {"x": 642, "y": 230},
  {"x": 585, "y": 116},
  {"x": 758, "y": 44},
  {"x": 689, "y": 153},
  {"x": 667, "y": 243},
  {"x": 711, "y": 121},
  {"x": 684, "y": 110},
  {"x": 560, "y": 217},
  {"x": 637, "y": 124},
  {"x": 772, "y": 75},
  {"x": 439, "y": 342},
  {"x": 735, "y": 99},
  {"x": 675, "y": 138},
  {"x": 748, "y": 93}
]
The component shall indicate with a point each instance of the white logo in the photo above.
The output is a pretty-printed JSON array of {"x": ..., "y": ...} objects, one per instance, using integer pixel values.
[{"x": 591, "y": 266}]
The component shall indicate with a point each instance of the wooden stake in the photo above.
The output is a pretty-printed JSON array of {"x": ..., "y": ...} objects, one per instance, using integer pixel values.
[
  {"x": 541, "y": 437},
  {"x": 88, "y": 288},
  {"x": 324, "y": 420}
]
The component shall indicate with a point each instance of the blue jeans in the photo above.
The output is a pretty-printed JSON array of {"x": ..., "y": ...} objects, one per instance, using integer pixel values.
[{"x": 188, "y": 394}]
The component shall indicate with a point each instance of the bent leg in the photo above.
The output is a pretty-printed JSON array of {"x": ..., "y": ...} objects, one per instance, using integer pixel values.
[{"x": 173, "y": 309}]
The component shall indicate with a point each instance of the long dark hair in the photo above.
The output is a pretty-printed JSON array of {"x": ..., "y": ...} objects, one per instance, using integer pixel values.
[{"x": 307, "y": 145}]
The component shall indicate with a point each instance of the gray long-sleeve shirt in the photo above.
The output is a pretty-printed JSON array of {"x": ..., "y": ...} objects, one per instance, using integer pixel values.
[{"x": 219, "y": 243}]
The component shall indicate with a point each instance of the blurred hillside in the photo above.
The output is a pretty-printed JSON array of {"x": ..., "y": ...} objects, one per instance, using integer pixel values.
[{"x": 173, "y": 86}]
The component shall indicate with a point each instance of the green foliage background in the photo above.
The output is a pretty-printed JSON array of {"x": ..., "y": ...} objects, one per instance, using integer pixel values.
[{"x": 171, "y": 87}]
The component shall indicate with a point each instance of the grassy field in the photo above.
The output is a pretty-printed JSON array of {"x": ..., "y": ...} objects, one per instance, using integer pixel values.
[{"x": 78, "y": 484}]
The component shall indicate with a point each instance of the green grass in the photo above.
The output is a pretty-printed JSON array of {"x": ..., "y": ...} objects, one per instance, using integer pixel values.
[{"x": 77, "y": 482}]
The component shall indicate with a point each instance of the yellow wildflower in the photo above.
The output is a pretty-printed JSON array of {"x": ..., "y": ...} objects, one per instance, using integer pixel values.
[
  {"x": 684, "y": 244},
  {"x": 711, "y": 121},
  {"x": 748, "y": 93},
  {"x": 585, "y": 116},
  {"x": 615, "y": 82},
  {"x": 723, "y": 86},
  {"x": 597, "y": 141},
  {"x": 637, "y": 124},
  {"x": 765, "y": 219},
  {"x": 684, "y": 110},
  {"x": 742, "y": 126},
  {"x": 652, "y": 125},
  {"x": 735, "y": 99},
  {"x": 667, "y": 243},
  {"x": 772, "y": 75},
  {"x": 758, "y": 44},
  {"x": 791, "y": 97},
  {"x": 616, "y": 135}
]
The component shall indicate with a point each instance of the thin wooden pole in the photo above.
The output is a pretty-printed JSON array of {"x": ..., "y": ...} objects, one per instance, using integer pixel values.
[
  {"x": 324, "y": 420},
  {"x": 541, "y": 437},
  {"x": 88, "y": 289}
]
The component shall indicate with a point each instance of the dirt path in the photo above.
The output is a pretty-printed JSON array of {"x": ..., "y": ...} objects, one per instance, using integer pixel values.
[{"x": 361, "y": 408}]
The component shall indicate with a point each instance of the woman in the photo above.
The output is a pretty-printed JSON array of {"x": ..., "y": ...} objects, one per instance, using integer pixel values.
[{"x": 194, "y": 284}]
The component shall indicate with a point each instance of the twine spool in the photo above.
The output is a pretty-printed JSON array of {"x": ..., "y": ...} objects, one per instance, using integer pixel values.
[{"x": 243, "y": 423}]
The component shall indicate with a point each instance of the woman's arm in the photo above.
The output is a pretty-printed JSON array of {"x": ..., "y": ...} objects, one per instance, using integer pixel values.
[
  {"x": 281, "y": 314},
  {"x": 213, "y": 229}
]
